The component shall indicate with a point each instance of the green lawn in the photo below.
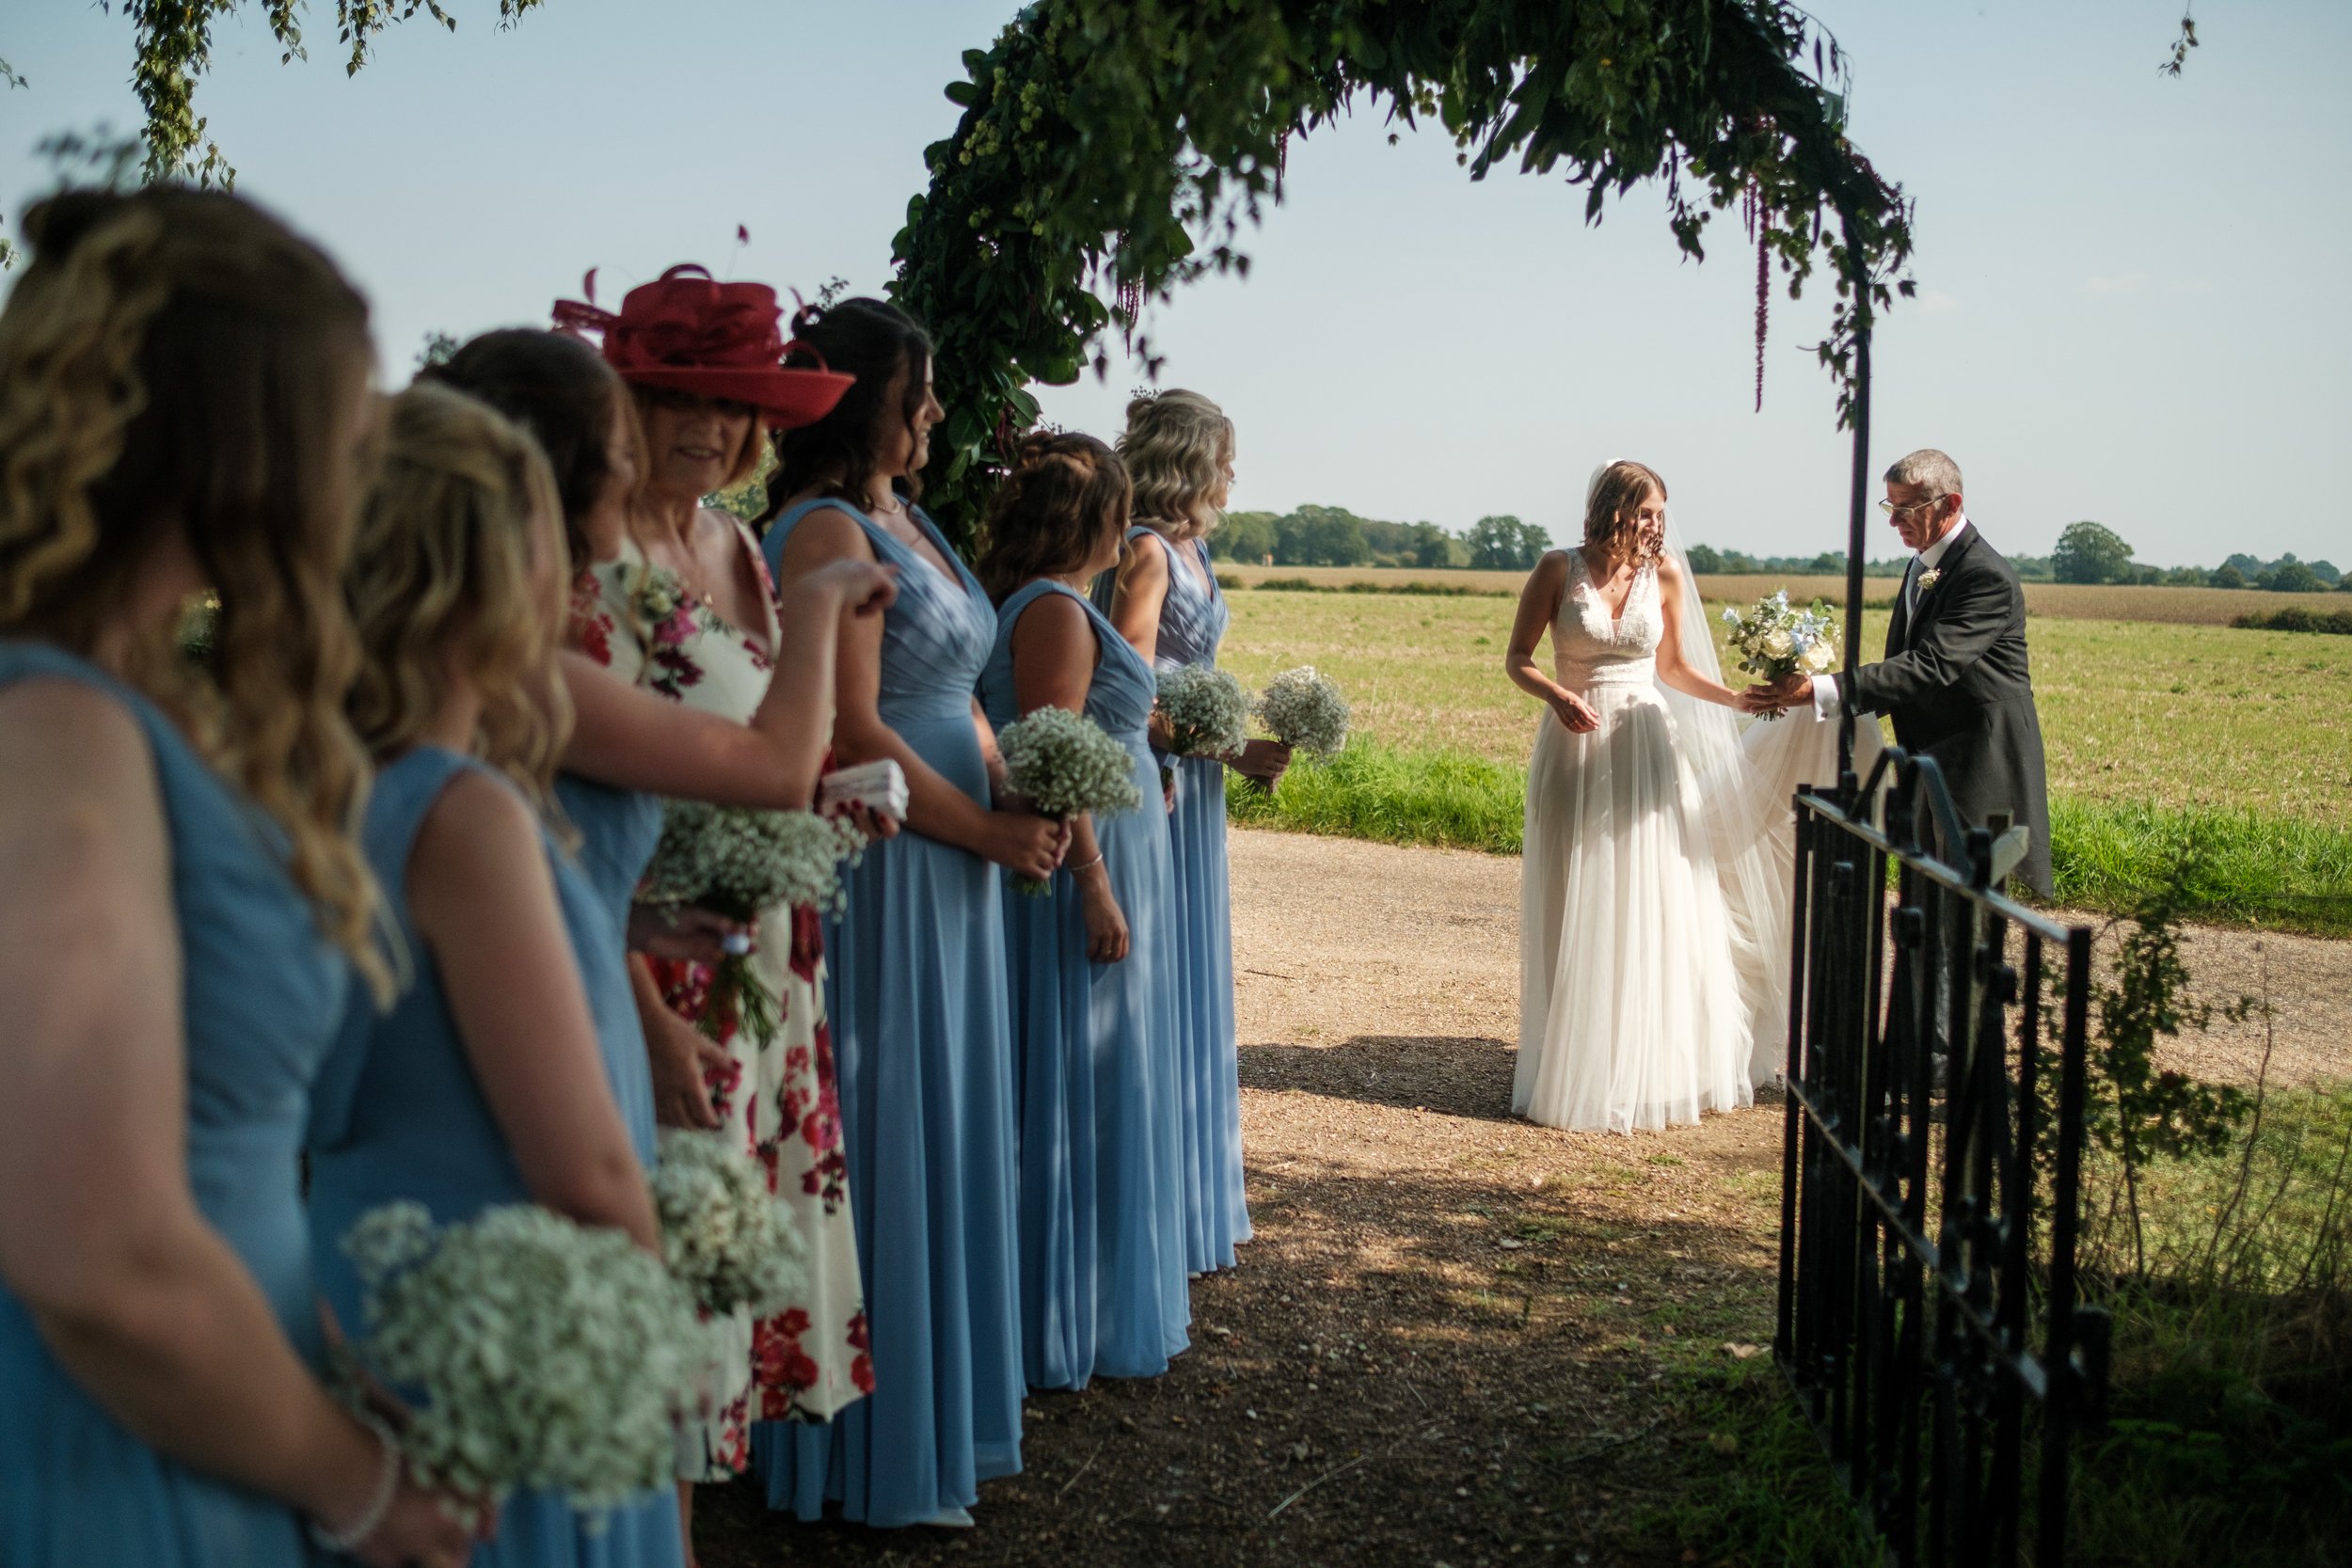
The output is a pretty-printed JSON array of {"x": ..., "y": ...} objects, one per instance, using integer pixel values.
[{"x": 2155, "y": 731}]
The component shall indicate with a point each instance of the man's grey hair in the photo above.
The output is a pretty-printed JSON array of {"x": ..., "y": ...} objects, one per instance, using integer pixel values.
[{"x": 1929, "y": 468}]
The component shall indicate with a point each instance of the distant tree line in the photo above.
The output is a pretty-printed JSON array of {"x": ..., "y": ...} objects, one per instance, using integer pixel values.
[
  {"x": 2086, "y": 552},
  {"x": 1334, "y": 536}
]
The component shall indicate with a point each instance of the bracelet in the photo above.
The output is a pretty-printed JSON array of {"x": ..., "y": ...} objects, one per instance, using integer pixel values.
[
  {"x": 1088, "y": 866},
  {"x": 379, "y": 1502}
]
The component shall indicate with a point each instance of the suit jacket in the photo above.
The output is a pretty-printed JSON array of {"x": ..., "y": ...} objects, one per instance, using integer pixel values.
[{"x": 1955, "y": 681}]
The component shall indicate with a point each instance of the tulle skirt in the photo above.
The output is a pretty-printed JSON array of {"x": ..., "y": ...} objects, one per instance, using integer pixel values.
[
  {"x": 1217, "y": 1211},
  {"x": 1631, "y": 1009}
]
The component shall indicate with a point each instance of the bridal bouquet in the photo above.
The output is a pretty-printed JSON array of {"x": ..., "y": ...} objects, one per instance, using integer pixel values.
[
  {"x": 737, "y": 862},
  {"x": 1062, "y": 763},
  {"x": 541, "y": 1353},
  {"x": 1206, "y": 710},
  {"x": 1774, "y": 639},
  {"x": 724, "y": 1234},
  {"x": 1305, "y": 711}
]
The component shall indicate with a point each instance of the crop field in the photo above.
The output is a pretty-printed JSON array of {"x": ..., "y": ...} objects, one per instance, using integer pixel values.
[
  {"x": 2151, "y": 728},
  {"x": 2068, "y": 601}
]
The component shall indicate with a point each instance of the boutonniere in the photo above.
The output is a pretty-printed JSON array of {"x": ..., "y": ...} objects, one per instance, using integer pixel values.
[{"x": 1929, "y": 577}]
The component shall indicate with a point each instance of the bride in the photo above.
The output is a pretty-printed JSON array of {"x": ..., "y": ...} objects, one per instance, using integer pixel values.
[{"x": 1655, "y": 881}]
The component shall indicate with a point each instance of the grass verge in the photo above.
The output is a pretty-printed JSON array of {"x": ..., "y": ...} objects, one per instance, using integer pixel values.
[
  {"x": 2232, "y": 1296},
  {"x": 1451, "y": 799},
  {"x": 2286, "y": 875},
  {"x": 1761, "y": 1492}
]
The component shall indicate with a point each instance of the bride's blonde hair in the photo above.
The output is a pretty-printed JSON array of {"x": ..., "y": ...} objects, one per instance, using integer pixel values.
[
  {"x": 1175, "y": 446},
  {"x": 461, "y": 567},
  {"x": 1610, "y": 521},
  {"x": 177, "y": 365}
]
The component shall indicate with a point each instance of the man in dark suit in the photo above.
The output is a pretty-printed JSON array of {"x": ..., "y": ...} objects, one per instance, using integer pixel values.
[{"x": 1955, "y": 678}]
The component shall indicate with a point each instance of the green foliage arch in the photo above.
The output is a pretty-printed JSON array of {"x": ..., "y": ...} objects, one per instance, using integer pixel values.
[{"x": 1111, "y": 150}]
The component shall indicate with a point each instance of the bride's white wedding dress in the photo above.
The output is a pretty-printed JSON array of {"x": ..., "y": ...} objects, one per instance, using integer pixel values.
[
  {"x": 1633, "y": 1013},
  {"x": 1655, "y": 882}
]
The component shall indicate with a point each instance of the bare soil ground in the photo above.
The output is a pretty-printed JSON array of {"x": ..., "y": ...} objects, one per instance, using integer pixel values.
[{"x": 1446, "y": 1344}]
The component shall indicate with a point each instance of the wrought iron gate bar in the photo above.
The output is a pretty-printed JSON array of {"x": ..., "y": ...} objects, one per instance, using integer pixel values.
[{"x": 1919, "y": 1249}]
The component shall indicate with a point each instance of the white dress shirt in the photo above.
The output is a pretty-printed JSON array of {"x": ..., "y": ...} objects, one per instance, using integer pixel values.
[{"x": 1825, "y": 687}]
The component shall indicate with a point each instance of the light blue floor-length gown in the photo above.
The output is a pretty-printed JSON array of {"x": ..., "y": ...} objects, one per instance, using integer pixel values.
[
  {"x": 261, "y": 995},
  {"x": 397, "y": 1116},
  {"x": 1095, "y": 1056},
  {"x": 1192, "y": 624},
  {"x": 922, "y": 1044}
]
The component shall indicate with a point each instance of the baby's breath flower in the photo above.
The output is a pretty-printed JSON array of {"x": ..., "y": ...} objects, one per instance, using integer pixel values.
[
  {"x": 1305, "y": 711},
  {"x": 537, "y": 1352},
  {"x": 1063, "y": 763},
  {"x": 724, "y": 1234},
  {"x": 1207, "y": 712},
  {"x": 741, "y": 863}
]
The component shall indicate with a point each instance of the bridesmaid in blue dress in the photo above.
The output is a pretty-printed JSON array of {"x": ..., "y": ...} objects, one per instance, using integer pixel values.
[
  {"x": 510, "y": 1069},
  {"x": 915, "y": 981},
  {"x": 169, "y": 965},
  {"x": 1094, "y": 1002},
  {"x": 1165, "y": 600}
]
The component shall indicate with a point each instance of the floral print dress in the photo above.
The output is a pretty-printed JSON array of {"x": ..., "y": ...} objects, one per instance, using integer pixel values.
[{"x": 776, "y": 1094}]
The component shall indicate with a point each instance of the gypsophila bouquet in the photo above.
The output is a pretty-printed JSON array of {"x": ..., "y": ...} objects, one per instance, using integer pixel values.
[
  {"x": 1305, "y": 711},
  {"x": 1774, "y": 639},
  {"x": 537, "y": 1352},
  {"x": 724, "y": 1234},
  {"x": 1207, "y": 711},
  {"x": 1062, "y": 763},
  {"x": 740, "y": 862}
]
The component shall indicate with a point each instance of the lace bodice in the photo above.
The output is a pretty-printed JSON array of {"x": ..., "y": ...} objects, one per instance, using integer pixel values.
[{"x": 1588, "y": 647}]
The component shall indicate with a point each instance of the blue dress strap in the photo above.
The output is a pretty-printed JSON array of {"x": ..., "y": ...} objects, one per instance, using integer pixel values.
[{"x": 887, "y": 545}]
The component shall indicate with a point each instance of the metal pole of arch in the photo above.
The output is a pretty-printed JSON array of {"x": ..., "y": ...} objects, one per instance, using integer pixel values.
[{"x": 1858, "y": 513}]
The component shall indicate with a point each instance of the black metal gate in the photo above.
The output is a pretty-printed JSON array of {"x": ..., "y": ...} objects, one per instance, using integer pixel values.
[{"x": 1921, "y": 1257}]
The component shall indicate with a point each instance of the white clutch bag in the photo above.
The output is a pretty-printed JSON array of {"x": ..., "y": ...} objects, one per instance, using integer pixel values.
[{"x": 880, "y": 786}]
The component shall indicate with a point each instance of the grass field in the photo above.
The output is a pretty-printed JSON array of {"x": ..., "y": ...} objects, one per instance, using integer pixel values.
[
  {"x": 2153, "y": 730},
  {"x": 2068, "y": 601}
]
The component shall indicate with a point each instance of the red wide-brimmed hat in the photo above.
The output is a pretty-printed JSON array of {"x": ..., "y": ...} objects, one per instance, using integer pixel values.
[{"x": 689, "y": 331}]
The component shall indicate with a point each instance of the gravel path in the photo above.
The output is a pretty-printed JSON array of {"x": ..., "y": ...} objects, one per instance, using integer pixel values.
[{"x": 1443, "y": 1346}]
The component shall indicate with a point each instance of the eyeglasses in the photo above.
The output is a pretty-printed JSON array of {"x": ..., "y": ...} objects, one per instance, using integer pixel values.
[{"x": 1894, "y": 511}]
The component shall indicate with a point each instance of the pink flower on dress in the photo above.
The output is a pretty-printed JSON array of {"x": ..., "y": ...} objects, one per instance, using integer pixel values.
[
  {"x": 861, "y": 1364},
  {"x": 591, "y": 626}
]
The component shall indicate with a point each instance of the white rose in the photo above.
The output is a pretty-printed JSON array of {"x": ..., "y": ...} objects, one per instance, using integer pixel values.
[
  {"x": 1820, "y": 656},
  {"x": 1777, "y": 644}
]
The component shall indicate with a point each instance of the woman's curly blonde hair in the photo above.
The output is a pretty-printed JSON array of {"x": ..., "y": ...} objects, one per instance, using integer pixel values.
[
  {"x": 1610, "y": 521},
  {"x": 1176, "y": 446},
  {"x": 460, "y": 567},
  {"x": 176, "y": 366}
]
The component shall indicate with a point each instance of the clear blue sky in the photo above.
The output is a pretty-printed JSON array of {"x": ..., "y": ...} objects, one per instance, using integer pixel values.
[{"x": 2137, "y": 292}]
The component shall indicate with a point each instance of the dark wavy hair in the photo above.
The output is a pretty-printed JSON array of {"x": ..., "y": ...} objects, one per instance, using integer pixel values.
[
  {"x": 1064, "y": 491},
  {"x": 558, "y": 389},
  {"x": 873, "y": 341}
]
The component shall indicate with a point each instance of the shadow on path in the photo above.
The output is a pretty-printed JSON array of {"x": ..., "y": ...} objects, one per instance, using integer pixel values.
[{"x": 1456, "y": 1075}]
